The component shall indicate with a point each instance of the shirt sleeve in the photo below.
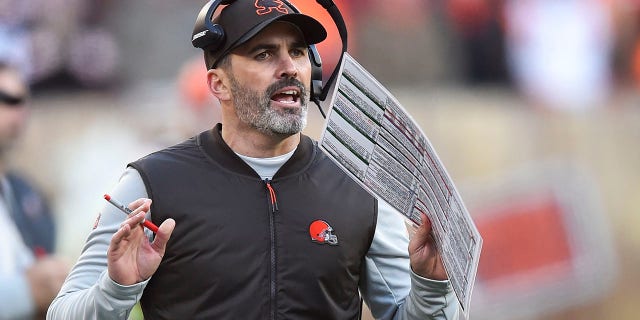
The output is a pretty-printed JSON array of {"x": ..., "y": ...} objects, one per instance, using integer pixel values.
[
  {"x": 389, "y": 287},
  {"x": 88, "y": 292},
  {"x": 15, "y": 297}
]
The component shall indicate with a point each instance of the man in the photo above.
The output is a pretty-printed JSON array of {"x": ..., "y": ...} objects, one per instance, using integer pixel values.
[
  {"x": 29, "y": 277},
  {"x": 255, "y": 221}
]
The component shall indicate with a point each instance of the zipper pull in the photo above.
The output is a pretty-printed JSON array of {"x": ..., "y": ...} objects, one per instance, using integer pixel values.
[{"x": 272, "y": 196}]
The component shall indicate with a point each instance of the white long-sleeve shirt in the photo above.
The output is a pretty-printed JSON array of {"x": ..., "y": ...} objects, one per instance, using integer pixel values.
[
  {"x": 16, "y": 301},
  {"x": 388, "y": 286}
]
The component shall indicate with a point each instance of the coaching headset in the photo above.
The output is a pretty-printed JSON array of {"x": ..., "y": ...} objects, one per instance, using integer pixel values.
[{"x": 211, "y": 36}]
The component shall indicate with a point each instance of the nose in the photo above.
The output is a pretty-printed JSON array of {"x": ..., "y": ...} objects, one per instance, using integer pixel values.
[{"x": 288, "y": 67}]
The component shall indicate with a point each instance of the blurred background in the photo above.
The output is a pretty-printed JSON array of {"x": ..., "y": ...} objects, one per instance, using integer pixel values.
[{"x": 532, "y": 105}]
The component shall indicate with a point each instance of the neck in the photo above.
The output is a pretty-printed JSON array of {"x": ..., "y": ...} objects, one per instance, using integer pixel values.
[{"x": 257, "y": 144}]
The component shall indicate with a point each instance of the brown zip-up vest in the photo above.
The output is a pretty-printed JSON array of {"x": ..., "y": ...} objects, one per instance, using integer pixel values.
[{"x": 242, "y": 247}]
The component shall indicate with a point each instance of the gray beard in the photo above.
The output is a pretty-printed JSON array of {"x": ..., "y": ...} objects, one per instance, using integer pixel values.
[{"x": 255, "y": 109}]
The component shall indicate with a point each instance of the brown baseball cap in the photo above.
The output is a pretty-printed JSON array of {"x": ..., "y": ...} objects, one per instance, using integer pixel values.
[{"x": 243, "y": 19}]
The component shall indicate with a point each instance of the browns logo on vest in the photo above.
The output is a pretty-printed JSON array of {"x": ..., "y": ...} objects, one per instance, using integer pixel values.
[{"x": 322, "y": 233}]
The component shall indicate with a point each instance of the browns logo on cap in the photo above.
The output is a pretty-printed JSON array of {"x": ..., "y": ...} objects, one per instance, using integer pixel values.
[{"x": 266, "y": 6}]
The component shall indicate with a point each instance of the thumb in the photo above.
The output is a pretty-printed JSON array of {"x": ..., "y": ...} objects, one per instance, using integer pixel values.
[{"x": 162, "y": 236}]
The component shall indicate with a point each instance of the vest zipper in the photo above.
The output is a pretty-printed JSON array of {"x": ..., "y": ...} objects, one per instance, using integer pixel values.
[
  {"x": 272, "y": 229},
  {"x": 272, "y": 196}
]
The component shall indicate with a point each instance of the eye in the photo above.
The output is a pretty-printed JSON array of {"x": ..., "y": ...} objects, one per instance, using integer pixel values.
[
  {"x": 298, "y": 52},
  {"x": 264, "y": 55}
]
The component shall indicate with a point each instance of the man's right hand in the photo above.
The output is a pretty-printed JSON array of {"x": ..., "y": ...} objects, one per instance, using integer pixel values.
[
  {"x": 131, "y": 257},
  {"x": 46, "y": 277}
]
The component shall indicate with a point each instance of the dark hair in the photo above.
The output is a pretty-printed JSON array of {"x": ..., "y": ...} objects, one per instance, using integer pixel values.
[{"x": 224, "y": 62}]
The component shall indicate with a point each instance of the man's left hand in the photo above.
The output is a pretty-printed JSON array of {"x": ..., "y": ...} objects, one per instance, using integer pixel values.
[{"x": 425, "y": 258}]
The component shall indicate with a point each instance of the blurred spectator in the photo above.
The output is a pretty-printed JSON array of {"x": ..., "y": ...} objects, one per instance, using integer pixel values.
[
  {"x": 60, "y": 42},
  {"x": 14, "y": 44},
  {"x": 403, "y": 28},
  {"x": 626, "y": 18},
  {"x": 560, "y": 51},
  {"x": 29, "y": 276},
  {"x": 636, "y": 64},
  {"x": 479, "y": 26}
]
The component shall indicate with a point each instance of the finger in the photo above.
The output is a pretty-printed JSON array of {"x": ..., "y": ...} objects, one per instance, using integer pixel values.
[
  {"x": 141, "y": 204},
  {"x": 135, "y": 220},
  {"x": 426, "y": 223},
  {"x": 162, "y": 236},
  {"x": 117, "y": 237},
  {"x": 422, "y": 233}
]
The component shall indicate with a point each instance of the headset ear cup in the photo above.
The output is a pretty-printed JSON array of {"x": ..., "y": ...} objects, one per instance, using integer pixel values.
[
  {"x": 207, "y": 34},
  {"x": 212, "y": 39},
  {"x": 316, "y": 72}
]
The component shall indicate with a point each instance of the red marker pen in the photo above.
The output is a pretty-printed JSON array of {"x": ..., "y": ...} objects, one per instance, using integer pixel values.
[{"x": 126, "y": 210}]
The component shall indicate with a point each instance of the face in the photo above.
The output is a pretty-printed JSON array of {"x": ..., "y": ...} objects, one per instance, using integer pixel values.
[
  {"x": 12, "y": 116},
  {"x": 269, "y": 78}
]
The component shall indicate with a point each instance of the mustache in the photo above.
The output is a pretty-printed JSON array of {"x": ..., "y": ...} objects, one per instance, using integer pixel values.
[{"x": 288, "y": 82}]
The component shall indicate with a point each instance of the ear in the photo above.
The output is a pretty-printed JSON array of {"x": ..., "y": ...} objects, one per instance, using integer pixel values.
[{"x": 216, "y": 79}]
